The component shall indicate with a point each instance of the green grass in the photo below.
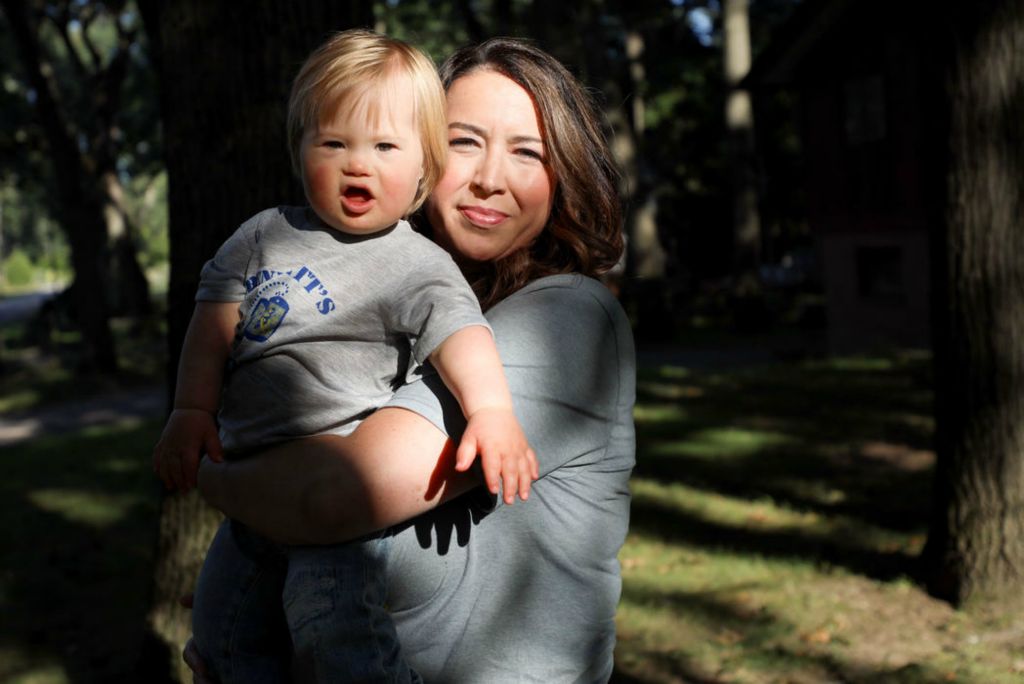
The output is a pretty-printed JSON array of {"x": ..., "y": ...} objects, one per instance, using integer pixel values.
[
  {"x": 777, "y": 515},
  {"x": 77, "y": 541}
]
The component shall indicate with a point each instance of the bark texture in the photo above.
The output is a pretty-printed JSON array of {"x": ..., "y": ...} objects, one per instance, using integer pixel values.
[
  {"x": 225, "y": 73},
  {"x": 975, "y": 549}
]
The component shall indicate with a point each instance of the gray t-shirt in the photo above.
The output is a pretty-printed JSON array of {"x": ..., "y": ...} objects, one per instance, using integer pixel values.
[
  {"x": 331, "y": 324},
  {"x": 528, "y": 592}
]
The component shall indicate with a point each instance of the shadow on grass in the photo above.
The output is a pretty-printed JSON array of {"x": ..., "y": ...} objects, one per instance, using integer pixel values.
[
  {"x": 766, "y": 639},
  {"x": 838, "y": 441},
  {"x": 674, "y": 526},
  {"x": 77, "y": 516}
]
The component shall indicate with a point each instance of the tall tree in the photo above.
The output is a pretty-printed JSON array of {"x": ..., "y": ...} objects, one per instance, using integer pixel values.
[
  {"x": 739, "y": 124},
  {"x": 76, "y": 84},
  {"x": 975, "y": 548},
  {"x": 224, "y": 79}
]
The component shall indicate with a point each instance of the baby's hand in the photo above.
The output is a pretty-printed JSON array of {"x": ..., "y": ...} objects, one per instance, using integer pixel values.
[
  {"x": 505, "y": 455},
  {"x": 189, "y": 434}
]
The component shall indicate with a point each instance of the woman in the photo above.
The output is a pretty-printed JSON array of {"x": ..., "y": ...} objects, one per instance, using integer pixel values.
[{"x": 480, "y": 591}]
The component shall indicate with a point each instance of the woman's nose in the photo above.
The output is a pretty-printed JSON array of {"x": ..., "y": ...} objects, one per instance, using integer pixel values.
[{"x": 489, "y": 176}]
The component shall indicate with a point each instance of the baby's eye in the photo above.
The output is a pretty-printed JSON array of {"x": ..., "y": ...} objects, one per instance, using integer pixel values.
[
  {"x": 386, "y": 147},
  {"x": 333, "y": 144}
]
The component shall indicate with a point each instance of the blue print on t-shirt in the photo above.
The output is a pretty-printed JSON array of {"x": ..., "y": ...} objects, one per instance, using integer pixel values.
[{"x": 265, "y": 318}]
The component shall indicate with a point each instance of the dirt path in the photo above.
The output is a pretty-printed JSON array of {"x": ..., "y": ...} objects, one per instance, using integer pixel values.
[{"x": 126, "y": 407}]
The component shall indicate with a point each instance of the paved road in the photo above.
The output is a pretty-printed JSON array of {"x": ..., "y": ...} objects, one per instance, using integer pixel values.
[
  {"x": 21, "y": 307},
  {"x": 123, "y": 408}
]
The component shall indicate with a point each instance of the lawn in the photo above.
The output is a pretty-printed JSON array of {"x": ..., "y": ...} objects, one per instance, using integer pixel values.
[
  {"x": 777, "y": 513},
  {"x": 77, "y": 540}
]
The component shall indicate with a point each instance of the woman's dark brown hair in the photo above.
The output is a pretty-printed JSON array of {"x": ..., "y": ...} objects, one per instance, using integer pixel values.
[{"x": 584, "y": 232}]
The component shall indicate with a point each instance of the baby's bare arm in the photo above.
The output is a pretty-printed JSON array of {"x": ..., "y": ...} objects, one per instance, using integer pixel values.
[
  {"x": 191, "y": 429},
  {"x": 469, "y": 364}
]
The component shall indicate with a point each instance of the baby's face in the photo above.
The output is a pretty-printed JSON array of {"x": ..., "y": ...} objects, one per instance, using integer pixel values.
[{"x": 361, "y": 167}]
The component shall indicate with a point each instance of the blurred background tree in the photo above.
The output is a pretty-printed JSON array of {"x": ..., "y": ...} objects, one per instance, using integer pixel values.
[{"x": 83, "y": 126}]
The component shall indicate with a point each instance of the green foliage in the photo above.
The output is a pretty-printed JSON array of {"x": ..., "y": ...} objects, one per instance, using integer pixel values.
[
  {"x": 18, "y": 268},
  {"x": 80, "y": 41}
]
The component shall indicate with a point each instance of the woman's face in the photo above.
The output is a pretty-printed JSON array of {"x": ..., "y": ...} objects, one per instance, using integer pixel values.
[{"x": 496, "y": 192}]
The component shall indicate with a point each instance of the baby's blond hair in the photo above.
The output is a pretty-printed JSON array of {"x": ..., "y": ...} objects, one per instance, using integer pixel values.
[{"x": 345, "y": 69}]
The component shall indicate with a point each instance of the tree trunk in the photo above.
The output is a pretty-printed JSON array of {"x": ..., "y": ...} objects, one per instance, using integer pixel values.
[
  {"x": 739, "y": 124},
  {"x": 130, "y": 295},
  {"x": 975, "y": 549},
  {"x": 646, "y": 260},
  {"x": 78, "y": 206},
  {"x": 224, "y": 76},
  {"x": 641, "y": 213},
  {"x": 621, "y": 82}
]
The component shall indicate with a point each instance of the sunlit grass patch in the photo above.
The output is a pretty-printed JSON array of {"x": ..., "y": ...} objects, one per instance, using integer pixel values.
[
  {"x": 33, "y": 672},
  {"x": 96, "y": 509},
  {"x": 659, "y": 413},
  {"x": 30, "y": 380},
  {"x": 856, "y": 364},
  {"x": 717, "y": 507},
  {"x": 78, "y": 517},
  {"x": 722, "y": 442},
  {"x": 718, "y": 520}
]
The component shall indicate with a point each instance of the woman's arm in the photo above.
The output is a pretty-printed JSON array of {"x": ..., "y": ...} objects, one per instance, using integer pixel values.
[
  {"x": 329, "y": 489},
  {"x": 568, "y": 358}
]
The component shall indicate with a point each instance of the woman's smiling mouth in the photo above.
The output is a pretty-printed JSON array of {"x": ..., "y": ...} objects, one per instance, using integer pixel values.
[{"x": 482, "y": 216}]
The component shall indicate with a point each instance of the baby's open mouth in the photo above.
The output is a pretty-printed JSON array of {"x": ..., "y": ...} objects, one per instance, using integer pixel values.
[{"x": 358, "y": 194}]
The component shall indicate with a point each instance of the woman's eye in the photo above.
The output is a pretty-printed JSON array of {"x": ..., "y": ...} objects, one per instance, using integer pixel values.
[
  {"x": 530, "y": 154},
  {"x": 461, "y": 142}
]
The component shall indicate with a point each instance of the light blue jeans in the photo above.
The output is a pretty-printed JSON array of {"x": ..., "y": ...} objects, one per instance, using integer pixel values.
[{"x": 266, "y": 613}]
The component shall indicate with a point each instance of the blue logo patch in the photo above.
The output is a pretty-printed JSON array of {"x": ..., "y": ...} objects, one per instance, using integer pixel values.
[{"x": 265, "y": 318}]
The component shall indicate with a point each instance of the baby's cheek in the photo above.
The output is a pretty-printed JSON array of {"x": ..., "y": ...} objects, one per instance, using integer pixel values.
[{"x": 320, "y": 180}]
